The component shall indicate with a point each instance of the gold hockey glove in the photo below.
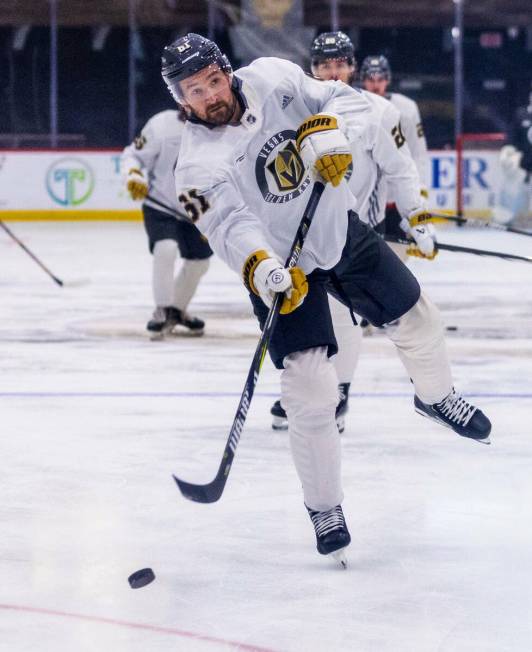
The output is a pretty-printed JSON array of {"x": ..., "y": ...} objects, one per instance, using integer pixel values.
[
  {"x": 136, "y": 184},
  {"x": 322, "y": 145},
  {"x": 265, "y": 276}
]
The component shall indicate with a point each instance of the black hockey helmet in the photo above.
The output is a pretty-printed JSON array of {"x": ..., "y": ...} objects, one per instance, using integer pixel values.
[
  {"x": 188, "y": 55},
  {"x": 375, "y": 66},
  {"x": 332, "y": 45}
]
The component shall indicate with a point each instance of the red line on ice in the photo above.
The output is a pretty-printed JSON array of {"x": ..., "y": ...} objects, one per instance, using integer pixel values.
[{"x": 144, "y": 626}]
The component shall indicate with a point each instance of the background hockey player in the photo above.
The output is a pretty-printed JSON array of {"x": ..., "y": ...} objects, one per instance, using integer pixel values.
[
  {"x": 376, "y": 76},
  {"x": 380, "y": 166},
  {"x": 514, "y": 196},
  {"x": 334, "y": 54},
  {"x": 148, "y": 167},
  {"x": 250, "y": 140},
  {"x": 521, "y": 135}
]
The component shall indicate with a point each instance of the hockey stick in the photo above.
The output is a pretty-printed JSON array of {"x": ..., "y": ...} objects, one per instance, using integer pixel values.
[
  {"x": 31, "y": 255},
  {"x": 464, "y": 250},
  {"x": 180, "y": 216},
  {"x": 209, "y": 493},
  {"x": 478, "y": 222}
]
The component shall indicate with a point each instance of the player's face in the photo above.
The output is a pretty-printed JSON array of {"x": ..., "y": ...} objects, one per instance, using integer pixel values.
[
  {"x": 376, "y": 85},
  {"x": 336, "y": 69},
  {"x": 208, "y": 95}
]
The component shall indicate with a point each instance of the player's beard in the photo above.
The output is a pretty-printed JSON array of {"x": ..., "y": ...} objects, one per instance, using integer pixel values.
[{"x": 221, "y": 113}]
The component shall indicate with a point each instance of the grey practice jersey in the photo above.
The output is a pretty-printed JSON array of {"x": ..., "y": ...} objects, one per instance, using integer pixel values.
[
  {"x": 155, "y": 153},
  {"x": 415, "y": 137},
  {"x": 246, "y": 184}
]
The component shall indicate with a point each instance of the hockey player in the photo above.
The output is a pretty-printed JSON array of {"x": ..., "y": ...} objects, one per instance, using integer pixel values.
[
  {"x": 521, "y": 135},
  {"x": 251, "y": 144},
  {"x": 376, "y": 75},
  {"x": 148, "y": 167},
  {"x": 515, "y": 159},
  {"x": 332, "y": 57}
]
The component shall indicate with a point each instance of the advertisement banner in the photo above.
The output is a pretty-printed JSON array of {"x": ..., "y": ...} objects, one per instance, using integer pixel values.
[
  {"x": 480, "y": 182},
  {"x": 75, "y": 184},
  {"x": 82, "y": 184}
]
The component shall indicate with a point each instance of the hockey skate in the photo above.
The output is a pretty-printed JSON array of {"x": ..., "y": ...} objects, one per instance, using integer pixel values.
[
  {"x": 280, "y": 420},
  {"x": 162, "y": 322},
  {"x": 332, "y": 535},
  {"x": 367, "y": 328},
  {"x": 456, "y": 413},
  {"x": 165, "y": 319},
  {"x": 194, "y": 325}
]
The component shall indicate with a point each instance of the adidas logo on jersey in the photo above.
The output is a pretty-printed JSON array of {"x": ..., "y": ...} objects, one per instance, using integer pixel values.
[{"x": 286, "y": 101}]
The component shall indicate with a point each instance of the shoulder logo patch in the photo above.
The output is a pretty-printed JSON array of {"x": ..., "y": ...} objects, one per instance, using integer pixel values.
[
  {"x": 286, "y": 101},
  {"x": 139, "y": 142}
]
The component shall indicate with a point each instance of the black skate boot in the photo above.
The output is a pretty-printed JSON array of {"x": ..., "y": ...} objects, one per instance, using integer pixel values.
[
  {"x": 332, "y": 535},
  {"x": 162, "y": 322},
  {"x": 280, "y": 420},
  {"x": 456, "y": 413},
  {"x": 195, "y": 325}
]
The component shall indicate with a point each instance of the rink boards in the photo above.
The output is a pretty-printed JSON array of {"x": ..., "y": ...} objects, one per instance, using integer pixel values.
[
  {"x": 88, "y": 185},
  {"x": 64, "y": 185}
]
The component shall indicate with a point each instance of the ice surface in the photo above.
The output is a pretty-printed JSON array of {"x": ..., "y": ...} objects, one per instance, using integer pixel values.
[{"x": 95, "y": 419}]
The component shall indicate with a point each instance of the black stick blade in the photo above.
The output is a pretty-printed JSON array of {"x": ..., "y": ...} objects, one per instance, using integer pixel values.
[
  {"x": 512, "y": 229},
  {"x": 201, "y": 493}
]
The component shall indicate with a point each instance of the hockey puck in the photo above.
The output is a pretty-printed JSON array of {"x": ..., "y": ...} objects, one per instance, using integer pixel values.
[
  {"x": 451, "y": 328},
  {"x": 141, "y": 578}
]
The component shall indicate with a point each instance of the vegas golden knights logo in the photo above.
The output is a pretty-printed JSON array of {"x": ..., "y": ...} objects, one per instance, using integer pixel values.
[
  {"x": 287, "y": 168},
  {"x": 279, "y": 170}
]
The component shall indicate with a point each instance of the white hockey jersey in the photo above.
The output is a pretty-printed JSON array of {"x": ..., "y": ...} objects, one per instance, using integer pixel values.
[
  {"x": 382, "y": 162},
  {"x": 412, "y": 128},
  {"x": 247, "y": 185},
  {"x": 155, "y": 153}
]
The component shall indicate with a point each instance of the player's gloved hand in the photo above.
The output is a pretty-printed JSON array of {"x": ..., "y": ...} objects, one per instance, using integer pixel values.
[
  {"x": 414, "y": 250},
  {"x": 418, "y": 226},
  {"x": 265, "y": 276},
  {"x": 136, "y": 184},
  {"x": 322, "y": 144}
]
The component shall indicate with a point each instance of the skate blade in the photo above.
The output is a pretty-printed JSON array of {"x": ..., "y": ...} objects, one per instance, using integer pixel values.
[
  {"x": 186, "y": 332},
  {"x": 433, "y": 419},
  {"x": 174, "y": 334},
  {"x": 161, "y": 335},
  {"x": 340, "y": 424},
  {"x": 340, "y": 557}
]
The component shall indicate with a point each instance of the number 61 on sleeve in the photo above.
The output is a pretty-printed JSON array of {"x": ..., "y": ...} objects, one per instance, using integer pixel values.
[{"x": 195, "y": 205}]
